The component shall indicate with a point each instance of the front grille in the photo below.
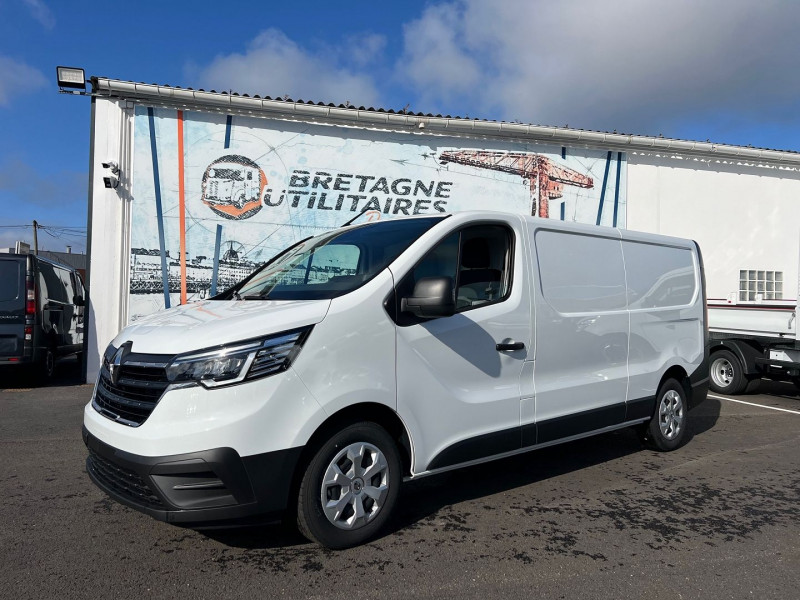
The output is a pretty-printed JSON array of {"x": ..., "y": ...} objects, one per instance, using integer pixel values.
[
  {"x": 134, "y": 396},
  {"x": 123, "y": 481}
]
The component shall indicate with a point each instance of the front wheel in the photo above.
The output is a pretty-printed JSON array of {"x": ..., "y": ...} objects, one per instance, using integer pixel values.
[
  {"x": 350, "y": 487},
  {"x": 667, "y": 429}
]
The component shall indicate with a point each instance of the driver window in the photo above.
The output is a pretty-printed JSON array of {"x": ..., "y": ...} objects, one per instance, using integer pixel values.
[
  {"x": 483, "y": 269},
  {"x": 476, "y": 259},
  {"x": 442, "y": 261}
]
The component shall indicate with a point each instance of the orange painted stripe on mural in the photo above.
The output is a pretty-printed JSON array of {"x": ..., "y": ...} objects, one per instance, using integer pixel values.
[{"x": 182, "y": 207}]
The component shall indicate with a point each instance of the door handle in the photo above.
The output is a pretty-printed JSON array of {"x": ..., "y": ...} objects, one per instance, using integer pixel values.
[{"x": 507, "y": 345}]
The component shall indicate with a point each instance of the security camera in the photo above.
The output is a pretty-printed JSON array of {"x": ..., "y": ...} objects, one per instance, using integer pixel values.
[
  {"x": 111, "y": 181},
  {"x": 111, "y": 164}
]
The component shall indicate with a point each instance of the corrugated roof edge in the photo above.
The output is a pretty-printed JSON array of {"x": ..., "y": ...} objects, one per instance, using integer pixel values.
[{"x": 433, "y": 124}]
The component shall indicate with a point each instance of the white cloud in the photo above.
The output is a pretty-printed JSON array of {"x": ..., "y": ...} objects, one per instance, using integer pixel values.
[
  {"x": 274, "y": 65},
  {"x": 626, "y": 64},
  {"x": 439, "y": 60},
  {"x": 365, "y": 49},
  {"x": 42, "y": 13},
  {"x": 17, "y": 78},
  {"x": 9, "y": 237}
]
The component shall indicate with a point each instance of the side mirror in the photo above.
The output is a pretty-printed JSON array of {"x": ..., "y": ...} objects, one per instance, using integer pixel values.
[
  {"x": 433, "y": 297},
  {"x": 78, "y": 300}
]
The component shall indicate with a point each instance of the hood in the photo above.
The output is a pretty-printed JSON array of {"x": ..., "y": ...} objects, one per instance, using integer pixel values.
[{"x": 212, "y": 322}]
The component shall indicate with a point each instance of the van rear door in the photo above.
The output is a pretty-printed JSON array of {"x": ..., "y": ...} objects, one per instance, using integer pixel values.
[{"x": 12, "y": 306}]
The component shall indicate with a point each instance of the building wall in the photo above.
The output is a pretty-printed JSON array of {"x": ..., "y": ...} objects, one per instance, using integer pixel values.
[
  {"x": 109, "y": 229},
  {"x": 743, "y": 217}
]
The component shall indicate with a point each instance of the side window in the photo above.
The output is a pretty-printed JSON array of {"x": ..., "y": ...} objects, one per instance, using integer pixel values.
[
  {"x": 477, "y": 260},
  {"x": 69, "y": 287},
  {"x": 658, "y": 276},
  {"x": 441, "y": 261},
  {"x": 580, "y": 273},
  {"x": 76, "y": 284},
  {"x": 52, "y": 286},
  {"x": 483, "y": 272}
]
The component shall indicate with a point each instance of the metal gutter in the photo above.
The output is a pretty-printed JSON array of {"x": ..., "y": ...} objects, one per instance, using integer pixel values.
[{"x": 416, "y": 123}]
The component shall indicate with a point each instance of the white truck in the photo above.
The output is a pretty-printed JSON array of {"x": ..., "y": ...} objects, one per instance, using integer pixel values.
[{"x": 753, "y": 335}]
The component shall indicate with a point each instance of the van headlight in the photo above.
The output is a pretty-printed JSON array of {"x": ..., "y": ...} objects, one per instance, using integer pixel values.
[{"x": 242, "y": 361}]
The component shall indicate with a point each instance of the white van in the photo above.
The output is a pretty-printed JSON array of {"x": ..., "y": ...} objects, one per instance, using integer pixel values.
[{"x": 379, "y": 353}]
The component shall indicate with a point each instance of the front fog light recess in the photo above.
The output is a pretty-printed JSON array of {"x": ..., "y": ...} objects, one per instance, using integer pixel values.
[{"x": 234, "y": 363}]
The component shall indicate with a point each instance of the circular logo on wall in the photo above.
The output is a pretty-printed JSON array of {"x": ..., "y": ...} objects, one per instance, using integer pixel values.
[{"x": 232, "y": 187}]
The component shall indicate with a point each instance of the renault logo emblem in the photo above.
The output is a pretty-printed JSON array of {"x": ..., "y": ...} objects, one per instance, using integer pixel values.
[{"x": 115, "y": 364}]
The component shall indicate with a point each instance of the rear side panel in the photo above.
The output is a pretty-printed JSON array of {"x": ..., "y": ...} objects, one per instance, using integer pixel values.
[
  {"x": 665, "y": 299},
  {"x": 12, "y": 306}
]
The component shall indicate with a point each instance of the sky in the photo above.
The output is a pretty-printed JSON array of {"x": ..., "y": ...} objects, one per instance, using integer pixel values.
[{"x": 718, "y": 70}]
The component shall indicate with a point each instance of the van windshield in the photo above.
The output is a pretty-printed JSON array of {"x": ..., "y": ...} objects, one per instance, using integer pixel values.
[{"x": 332, "y": 264}]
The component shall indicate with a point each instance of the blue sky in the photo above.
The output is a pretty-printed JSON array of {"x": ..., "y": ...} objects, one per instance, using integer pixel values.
[{"x": 723, "y": 70}]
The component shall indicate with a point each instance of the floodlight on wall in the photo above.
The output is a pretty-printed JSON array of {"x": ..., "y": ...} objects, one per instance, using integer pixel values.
[{"x": 71, "y": 77}]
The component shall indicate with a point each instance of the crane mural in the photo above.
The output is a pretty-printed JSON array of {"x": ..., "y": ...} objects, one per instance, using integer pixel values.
[{"x": 546, "y": 178}]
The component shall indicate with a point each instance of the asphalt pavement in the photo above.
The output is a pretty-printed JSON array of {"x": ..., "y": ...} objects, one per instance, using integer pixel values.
[{"x": 598, "y": 518}]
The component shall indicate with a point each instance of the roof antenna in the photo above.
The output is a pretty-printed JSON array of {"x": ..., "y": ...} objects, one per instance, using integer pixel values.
[{"x": 363, "y": 210}]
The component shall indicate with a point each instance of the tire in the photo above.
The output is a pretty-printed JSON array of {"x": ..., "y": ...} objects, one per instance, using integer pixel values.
[
  {"x": 666, "y": 431},
  {"x": 47, "y": 367},
  {"x": 335, "y": 472},
  {"x": 726, "y": 373}
]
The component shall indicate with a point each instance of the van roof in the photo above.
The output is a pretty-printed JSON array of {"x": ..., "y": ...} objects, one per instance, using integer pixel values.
[
  {"x": 557, "y": 224},
  {"x": 55, "y": 263}
]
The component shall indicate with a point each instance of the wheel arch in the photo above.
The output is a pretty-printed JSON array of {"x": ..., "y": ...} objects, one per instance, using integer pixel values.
[
  {"x": 373, "y": 412},
  {"x": 678, "y": 373},
  {"x": 741, "y": 349}
]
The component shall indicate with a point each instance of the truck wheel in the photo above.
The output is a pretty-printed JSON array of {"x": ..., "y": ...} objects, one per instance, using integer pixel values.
[
  {"x": 667, "y": 429},
  {"x": 727, "y": 376},
  {"x": 350, "y": 487}
]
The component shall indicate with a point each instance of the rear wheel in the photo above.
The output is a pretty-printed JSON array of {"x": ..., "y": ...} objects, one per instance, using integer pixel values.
[
  {"x": 727, "y": 375},
  {"x": 48, "y": 365},
  {"x": 350, "y": 487},
  {"x": 667, "y": 429}
]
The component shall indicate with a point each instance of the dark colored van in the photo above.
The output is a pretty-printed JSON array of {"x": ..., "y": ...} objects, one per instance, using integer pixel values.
[{"x": 41, "y": 312}]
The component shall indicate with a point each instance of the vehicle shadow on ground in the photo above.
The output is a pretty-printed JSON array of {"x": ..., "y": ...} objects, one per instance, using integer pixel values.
[
  {"x": 773, "y": 388},
  {"x": 422, "y": 498},
  {"x": 68, "y": 371}
]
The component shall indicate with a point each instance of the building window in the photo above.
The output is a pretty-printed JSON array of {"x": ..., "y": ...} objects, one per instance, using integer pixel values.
[{"x": 760, "y": 285}]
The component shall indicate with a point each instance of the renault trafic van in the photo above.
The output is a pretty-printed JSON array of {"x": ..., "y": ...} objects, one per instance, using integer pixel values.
[
  {"x": 380, "y": 353},
  {"x": 41, "y": 313}
]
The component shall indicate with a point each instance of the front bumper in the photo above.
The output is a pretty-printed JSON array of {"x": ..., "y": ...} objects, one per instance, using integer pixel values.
[{"x": 197, "y": 489}]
